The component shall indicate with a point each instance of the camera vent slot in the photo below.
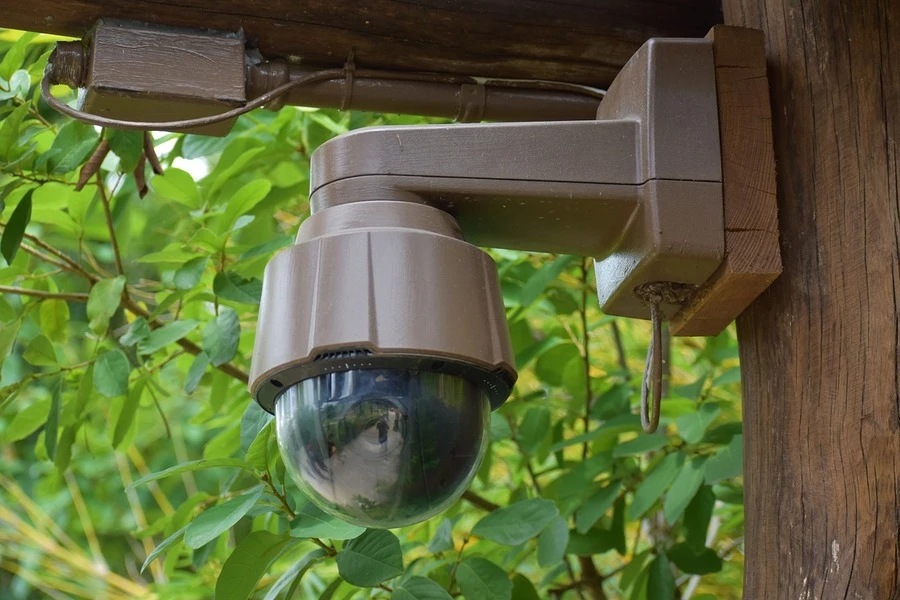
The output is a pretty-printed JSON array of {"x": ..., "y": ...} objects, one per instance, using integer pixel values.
[
  {"x": 504, "y": 376},
  {"x": 342, "y": 354}
]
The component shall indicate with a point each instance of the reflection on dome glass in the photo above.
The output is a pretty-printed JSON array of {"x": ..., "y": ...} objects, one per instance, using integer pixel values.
[{"x": 383, "y": 447}]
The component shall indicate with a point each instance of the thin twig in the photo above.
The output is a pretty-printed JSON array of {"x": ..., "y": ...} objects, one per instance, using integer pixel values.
[
  {"x": 159, "y": 409},
  {"x": 101, "y": 189},
  {"x": 150, "y": 154},
  {"x": 456, "y": 564},
  {"x": 620, "y": 348},
  {"x": 586, "y": 355},
  {"x": 73, "y": 296},
  {"x": 479, "y": 502}
]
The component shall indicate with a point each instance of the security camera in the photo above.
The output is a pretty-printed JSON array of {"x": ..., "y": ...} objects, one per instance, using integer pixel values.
[
  {"x": 382, "y": 343},
  {"x": 385, "y": 347}
]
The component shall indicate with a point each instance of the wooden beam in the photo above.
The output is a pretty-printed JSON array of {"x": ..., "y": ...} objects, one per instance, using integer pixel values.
[
  {"x": 752, "y": 258},
  {"x": 582, "y": 41},
  {"x": 819, "y": 348}
]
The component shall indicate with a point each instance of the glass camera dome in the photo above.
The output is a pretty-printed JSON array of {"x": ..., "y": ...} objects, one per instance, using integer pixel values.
[{"x": 383, "y": 447}]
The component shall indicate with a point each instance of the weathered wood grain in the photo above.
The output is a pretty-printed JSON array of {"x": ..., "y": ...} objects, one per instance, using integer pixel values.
[
  {"x": 819, "y": 348},
  {"x": 752, "y": 259},
  {"x": 583, "y": 41}
]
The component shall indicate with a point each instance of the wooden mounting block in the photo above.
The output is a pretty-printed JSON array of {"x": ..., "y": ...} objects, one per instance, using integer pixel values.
[{"x": 752, "y": 254}]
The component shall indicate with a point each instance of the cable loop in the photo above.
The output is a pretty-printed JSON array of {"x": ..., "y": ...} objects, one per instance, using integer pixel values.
[
  {"x": 655, "y": 294},
  {"x": 185, "y": 123}
]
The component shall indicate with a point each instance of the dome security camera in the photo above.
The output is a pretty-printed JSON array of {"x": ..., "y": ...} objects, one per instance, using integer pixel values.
[
  {"x": 385, "y": 348},
  {"x": 382, "y": 343}
]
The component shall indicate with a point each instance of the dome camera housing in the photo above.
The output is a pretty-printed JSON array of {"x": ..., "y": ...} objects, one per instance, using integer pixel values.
[{"x": 381, "y": 348}]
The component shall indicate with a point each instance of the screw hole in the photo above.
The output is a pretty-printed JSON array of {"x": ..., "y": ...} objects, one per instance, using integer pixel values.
[{"x": 277, "y": 383}]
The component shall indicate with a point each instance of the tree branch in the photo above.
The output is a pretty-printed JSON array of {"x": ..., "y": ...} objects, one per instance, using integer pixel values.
[
  {"x": 591, "y": 578},
  {"x": 73, "y": 296},
  {"x": 479, "y": 502},
  {"x": 130, "y": 305}
]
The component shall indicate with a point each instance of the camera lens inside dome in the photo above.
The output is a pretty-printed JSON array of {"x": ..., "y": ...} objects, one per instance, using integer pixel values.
[{"x": 383, "y": 447}]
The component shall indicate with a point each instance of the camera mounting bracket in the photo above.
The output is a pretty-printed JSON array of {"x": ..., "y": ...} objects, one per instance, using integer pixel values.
[{"x": 639, "y": 189}]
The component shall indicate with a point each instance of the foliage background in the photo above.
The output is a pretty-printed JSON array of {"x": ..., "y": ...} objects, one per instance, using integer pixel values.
[{"x": 126, "y": 326}]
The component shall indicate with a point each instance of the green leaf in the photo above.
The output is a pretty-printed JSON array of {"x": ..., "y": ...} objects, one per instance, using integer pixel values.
[
  {"x": 214, "y": 521},
  {"x": 523, "y": 589},
  {"x": 645, "y": 442},
  {"x": 294, "y": 573},
  {"x": 443, "y": 537},
  {"x": 551, "y": 365},
  {"x": 178, "y": 186},
  {"x": 552, "y": 542},
  {"x": 694, "y": 562},
  {"x": 194, "y": 465},
  {"x": 697, "y": 516},
  {"x": 727, "y": 462},
  {"x": 198, "y": 146},
  {"x": 137, "y": 332},
  {"x": 595, "y": 541},
  {"x": 420, "y": 588},
  {"x": 693, "y": 425},
  {"x": 252, "y": 422},
  {"x": 534, "y": 429},
  {"x": 228, "y": 166},
  {"x": 517, "y": 523},
  {"x": 221, "y": 336},
  {"x": 128, "y": 146},
  {"x": 651, "y": 489},
  {"x": 126, "y": 415},
  {"x": 248, "y": 563},
  {"x": 538, "y": 282},
  {"x": 732, "y": 375},
  {"x": 686, "y": 484},
  {"x": 51, "y": 431},
  {"x": 195, "y": 373},
  {"x": 231, "y": 286},
  {"x": 27, "y": 421},
  {"x": 258, "y": 452},
  {"x": 111, "y": 372},
  {"x": 64, "y": 448},
  {"x": 9, "y": 131},
  {"x": 103, "y": 302},
  {"x": 15, "y": 228},
  {"x": 15, "y": 55},
  {"x": 480, "y": 579},
  {"x": 190, "y": 273},
  {"x": 371, "y": 558},
  {"x": 163, "y": 546},
  {"x": 311, "y": 521},
  {"x": 85, "y": 388},
  {"x": 596, "y": 506},
  {"x": 661, "y": 582},
  {"x": 165, "y": 335},
  {"x": 243, "y": 201},
  {"x": 72, "y": 145},
  {"x": 328, "y": 594},
  {"x": 40, "y": 352},
  {"x": 54, "y": 318}
]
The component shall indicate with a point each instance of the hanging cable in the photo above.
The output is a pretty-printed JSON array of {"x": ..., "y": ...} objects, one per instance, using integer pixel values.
[
  {"x": 185, "y": 123},
  {"x": 655, "y": 294}
]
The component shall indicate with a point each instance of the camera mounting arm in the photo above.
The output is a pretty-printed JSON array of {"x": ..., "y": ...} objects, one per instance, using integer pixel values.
[{"x": 639, "y": 189}]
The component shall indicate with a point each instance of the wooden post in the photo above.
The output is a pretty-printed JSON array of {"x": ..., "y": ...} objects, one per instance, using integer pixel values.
[{"x": 819, "y": 348}]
